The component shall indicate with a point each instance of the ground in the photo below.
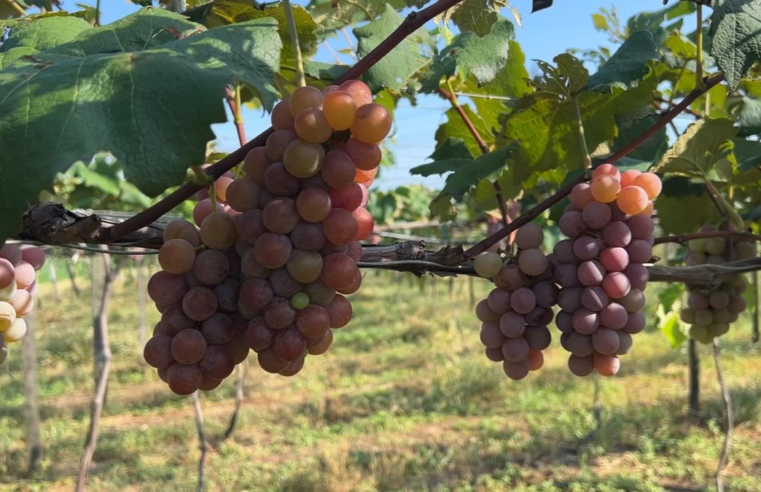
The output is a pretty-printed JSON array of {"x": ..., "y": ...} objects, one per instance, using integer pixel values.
[{"x": 404, "y": 400}]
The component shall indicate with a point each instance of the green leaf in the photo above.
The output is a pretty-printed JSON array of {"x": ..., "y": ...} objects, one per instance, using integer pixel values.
[
  {"x": 466, "y": 175},
  {"x": 678, "y": 196},
  {"x": 736, "y": 34},
  {"x": 628, "y": 65},
  {"x": 671, "y": 328},
  {"x": 395, "y": 69},
  {"x": 747, "y": 113},
  {"x": 748, "y": 154},
  {"x": 468, "y": 54},
  {"x": 95, "y": 180},
  {"x": 567, "y": 77},
  {"x": 478, "y": 16},
  {"x": 452, "y": 148},
  {"x": 653, "y": 149},
  {"x": 44, "y": 33},
  {"x": 456, "y": 128},
  {"x": 151, "y": 109},
  {"x": 668, "y": 296},
  {"x": 600, "y": 22},
  {"x": 224, "y": 12},
  {"x": 702, "y": 145},
  {"x": 335, "y": 14}
]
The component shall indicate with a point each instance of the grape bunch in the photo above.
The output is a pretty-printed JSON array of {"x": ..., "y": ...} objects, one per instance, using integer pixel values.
[
  {"x": 277, "y": 249},
  {"x": 18, "y": 273},
  {"x": 516, "y": 314},
  {"x": 710, "y": 310},
  {"x": 600, "y": 268}
]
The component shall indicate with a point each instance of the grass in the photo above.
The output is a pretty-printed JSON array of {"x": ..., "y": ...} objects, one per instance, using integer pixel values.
[{"x": 404, "y": 400}]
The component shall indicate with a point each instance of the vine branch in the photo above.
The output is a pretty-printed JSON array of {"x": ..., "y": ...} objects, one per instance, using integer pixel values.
[
  {"x": 530, "y": 215},
  {"x": 411, "y": 23},
  {"x": 682, "y": 238}
]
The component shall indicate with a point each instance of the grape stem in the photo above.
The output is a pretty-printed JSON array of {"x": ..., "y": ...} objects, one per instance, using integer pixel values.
[
  {"x": 682, "y": 238},
  {"x": 411, "y": 23},
  {"x": 530, "y": 215},
  {"x": 294, "y": 34},
  {"x": 232, "y": 96}
]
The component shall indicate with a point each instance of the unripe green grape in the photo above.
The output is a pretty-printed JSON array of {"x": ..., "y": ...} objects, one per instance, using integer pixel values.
[
  {"x": 704, "y": 317},
  {"x": 687, "y": 315},
  {"x": 697, "y": 245},
  {"x": 299, "y": 300},
  {"x": 715, "y": 245},
  {"x": 487, "y": 265},
  {"x": 718, "y": 329},
  {"x": 303, "y": 159},
  {"x": 16, "y": 331},
  {"x": 700, "y": 334},
  {"x": 744, "y": 250}
]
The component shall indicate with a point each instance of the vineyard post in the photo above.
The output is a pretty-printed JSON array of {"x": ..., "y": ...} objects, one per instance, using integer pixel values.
[{"x": 31, "y": 395}]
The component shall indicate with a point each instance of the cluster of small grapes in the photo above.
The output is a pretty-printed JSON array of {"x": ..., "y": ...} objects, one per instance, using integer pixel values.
[
  {"x": 277, "y": 249},
  {"x": 600, "y": 267},
  {"x": 18, "y": 272},
  {"x": 709, "y": 311},
  {"x": 516, "y": 314}
]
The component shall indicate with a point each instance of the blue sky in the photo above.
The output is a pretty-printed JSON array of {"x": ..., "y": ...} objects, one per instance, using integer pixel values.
[{"x": 567, "y": 24}]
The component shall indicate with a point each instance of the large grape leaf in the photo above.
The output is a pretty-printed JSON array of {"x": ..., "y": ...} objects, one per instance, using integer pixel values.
[
  {"x": 44, "y": 33},
  {"x": 395, "y": 69},
  {"x": 653, "y": 149},
  {"x": 545, "y": 124},
  {"x": 449, "y": 156},
  {"x": 477, "y": 16},
  {"x": 736, "y": 37},
  {"x": 628, "y": 65},
  {"x": 482, "y": 57},
  {"x": 151, "y": 108},
  {"x": 702, "y": 146},
  {"x": 680, "y": 195}
]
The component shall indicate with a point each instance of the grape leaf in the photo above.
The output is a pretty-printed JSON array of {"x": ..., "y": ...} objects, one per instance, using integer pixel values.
[
  {"x": 748, "y": 115},
  {"x": 395, "y": 69},
  {"x": 628, "y": 65},
  {"x": 736, "y": 37},
  {"x": 152, "y": 109},
  {"x": 456, "y": 128},
  {"x": 44, "y": 33},
  {"x": 671, "y": 327},
  {"x": 331, "y": 15},
  {"x": 477, "y": 16},
  {"x": 653, "y": 149},
  {"x": 466, "y": 175},
  {"x": 482, "y": 57},
  {"x": 702, "y": 145},
  {"x": 680, "y": 194},
  {"x": 545, "y": 124},
  {"x": 224, "y": 12}
]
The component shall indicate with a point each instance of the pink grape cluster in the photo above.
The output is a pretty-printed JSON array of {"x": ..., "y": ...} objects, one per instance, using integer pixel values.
[
  {"x": 710, "y": 310},
  {"x": 516, "y": 314},
  {"x": 18, "y": 285},
  {"x": 600, "y": 267},
  {"x": 277, "y": 249}
]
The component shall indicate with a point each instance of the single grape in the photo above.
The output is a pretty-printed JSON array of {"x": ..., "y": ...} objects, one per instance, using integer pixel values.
[
  {"x": 289, "y": 345},
  {"x": 219, "y": 231},
  {"x": 516, "y": 370},
  {"x": 12, "y": 253},
  {"x": 614, "y": 259},
  {"x": 281, "y": 117},
  {"x": 304, "y": 98},
  {"x": 564, "y": 321},
  {"x": 304, "y": 266},
  {"x": 338, "y": 271},
  {"x": 7, "y": 273},
  {"x": 639, "y": 251},
  {"x": 596, "y": 215},
  {"x": 338, "y": 169},
  {"x": 258, "y": 335},
  {"x": 354, "y": 286},
  {"x": 199, "y": 303},
  {"x": 641, "y": 226},
  {"x": 607, "y": 169},
  {"x": 494, "y": 354},
  {"x": 650, "y": 183},
  {"x": 523, "y": 300},
  {"x": 340, "y": 311},
  {"x": 166, "y": 289},
  {"x": 586, "y": 247},
  {"x": 632, "y": 200},
  {"x": 303, "y": 159},
  {"x": 218, "y": 329},
  {"x": 254, "y": 295},
  {"x": 605, "y": 188},
  {"x": 188, "y": 347},
  {"x": 180, "y": 229},
  {"x": 591, "y": 273},
  {"x": 359, "y": 91},
  {"x": 366, "y": 157},
  {"x": 339, "y": 108},
  {"x": 510, "y": 278},
  {"x": 184, "y": 379},
  {"x": 22, "y": 302},
  {"x": 319, "y": 293},
  {"x": 256, "y": 163},
  {"x": 158, "y": 352},
  {"x": 529, "y": 236},
  {"x": 572, "y": 225},
  {"x": 616, "y": 285},
  {"x": 569, "y": 298},
  {"x": 348, "y": 198},
  {"x": 605, "y": 341},
  {"x": 279, "y": 181},
  {"x": 365, "y": 177},
  {"x": 563, "y": 252},
  {"x": 627, "y": 177},
  {"x": 512, "y": 325},
  {"x": 340, "y": 227},
  {"x": 538, "y": 337},
  {"x": 515, "y": 349},
  {"x": 176, "y": 256},
  {"x": 546, "y": 294},
  {"x": 487, "y": 264},
  {"x": 312, "y": 126},
  {"x": 535, "y": 360},
  {"x": 585, "y": 321},
  {"x": 279, "y": 314},
  {"x": 280, "y": 215},
  {"x": 272, "y": 250},
  {"x": 485, "y": 314},
  {"x": 203, "y": 209},
  {"x": 606, "y": 365},
  {"x": 218, "y": 362},
  {"x": 638, "y": 275},
  {"x": 581, "y": 196},
  {"x": 227, "y": 295},
  {"x": 594, "y": 298},
  {"x": 614, "y": 316},
  {"x": 616, "y": 234},
  {"x": 313, "y": 204},
  {"x": 532, "y": 262},
  {"x": 580, "y": 345},
  {"x": 211, "y": 267}
]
